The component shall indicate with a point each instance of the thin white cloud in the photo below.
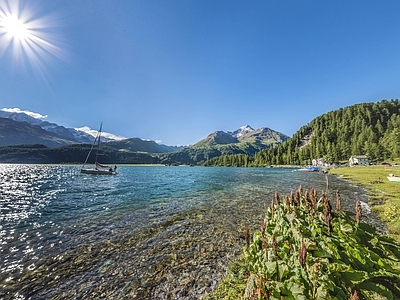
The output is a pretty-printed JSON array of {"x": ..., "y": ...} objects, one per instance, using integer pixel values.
[
  {"x": 20, "y": 111},
  {"x": 93, "y": 133}
]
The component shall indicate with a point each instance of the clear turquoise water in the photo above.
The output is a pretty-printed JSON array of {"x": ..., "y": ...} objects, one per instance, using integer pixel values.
[{"x": 148, "y": 232}]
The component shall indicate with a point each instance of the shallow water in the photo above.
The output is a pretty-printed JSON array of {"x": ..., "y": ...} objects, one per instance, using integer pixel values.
[{"x": 146, "y": 233}]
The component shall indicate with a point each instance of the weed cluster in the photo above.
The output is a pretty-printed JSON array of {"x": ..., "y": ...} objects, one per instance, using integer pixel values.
[{"x": 306, "y": 251}]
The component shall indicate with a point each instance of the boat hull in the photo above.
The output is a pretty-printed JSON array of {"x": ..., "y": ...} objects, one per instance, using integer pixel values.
[
  {"x": 98, "y": 172},
  {"x": 310, "y": 169},
  {"x": 394, "y": 178}
]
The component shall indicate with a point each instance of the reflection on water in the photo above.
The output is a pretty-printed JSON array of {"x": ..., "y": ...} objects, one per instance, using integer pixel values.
[
  {"x": 147, "y": 233},
  {"x": 23, "y": 191}
]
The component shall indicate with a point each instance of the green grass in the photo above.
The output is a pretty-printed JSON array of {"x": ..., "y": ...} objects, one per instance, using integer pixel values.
[{"x": 383, "y": 195}]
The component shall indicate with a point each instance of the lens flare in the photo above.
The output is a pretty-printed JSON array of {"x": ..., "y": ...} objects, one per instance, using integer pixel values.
[
  {"x": 29, "y": 39},
  {"x": 15, "y": 28}
]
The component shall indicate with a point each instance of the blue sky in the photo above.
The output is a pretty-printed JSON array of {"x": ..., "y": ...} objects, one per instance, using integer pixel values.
[{"x": 176, "y": 71}]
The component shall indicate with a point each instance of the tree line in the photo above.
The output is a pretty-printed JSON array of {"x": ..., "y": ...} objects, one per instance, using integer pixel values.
[
  {"x": 75, "y": 154},
  {"x": 371, "y": 129}
]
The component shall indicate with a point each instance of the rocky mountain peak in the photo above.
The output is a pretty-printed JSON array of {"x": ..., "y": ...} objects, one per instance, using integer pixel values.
[{"x": 241, "y": 131}]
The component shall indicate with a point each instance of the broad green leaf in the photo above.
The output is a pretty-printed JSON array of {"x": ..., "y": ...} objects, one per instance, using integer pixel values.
[
  {"x": 339, "y": 293},
  {"x": 282, "y": 269},
  {"x": 346, "y": 227},
  {"x": 271, "y": 268},
  {"x": 322, "y": 292},
  {"x": 293, "y": 291},
  {"x": 375, "y": 287},
  {"x": 353, "y": 277},
  {"x": 338, "y": 267},
  {"x": 367, "y": 228},
  {"x": 310, "y": 245},
  {"x": 374, "y": 241},
  {"x": 321, "y": 253}
]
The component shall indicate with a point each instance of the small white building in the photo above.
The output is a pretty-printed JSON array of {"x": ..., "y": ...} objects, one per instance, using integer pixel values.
[
  {"x": 319, "y": 162},
  {"x": 359, "y": 160}
]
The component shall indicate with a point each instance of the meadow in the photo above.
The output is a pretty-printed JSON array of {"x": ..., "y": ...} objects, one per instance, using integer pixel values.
[{"x": 383, "y": 195}]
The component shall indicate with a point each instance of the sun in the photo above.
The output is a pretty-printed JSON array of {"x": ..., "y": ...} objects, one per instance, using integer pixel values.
[
  {"x": 28, "y": 37},
  {"x": 16, "y": 28}
]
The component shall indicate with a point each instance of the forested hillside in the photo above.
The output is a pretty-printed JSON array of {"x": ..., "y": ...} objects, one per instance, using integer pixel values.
[
  {"x": 40, "y": 154},
  {"x": 372, "y": 129}
]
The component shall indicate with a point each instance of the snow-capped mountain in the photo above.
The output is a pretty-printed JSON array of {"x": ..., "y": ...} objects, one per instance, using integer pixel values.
[
  {"x": 104, "y": 135},
  {"x": 68, "y": 134},
  {"x": 18, "y": 127},
  {"x": 262, "y": 136},
  {"x": 241, "y": 131},
  {"x": 72, "y": 135},
  {"x": 23, "y": 133}
]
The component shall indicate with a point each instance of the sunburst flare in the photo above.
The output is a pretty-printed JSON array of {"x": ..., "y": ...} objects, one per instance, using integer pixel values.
[{"x": 28, "y": 38}]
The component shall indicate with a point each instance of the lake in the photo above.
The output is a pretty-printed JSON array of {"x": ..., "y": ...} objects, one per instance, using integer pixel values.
[{"x": 150, "y": 232}]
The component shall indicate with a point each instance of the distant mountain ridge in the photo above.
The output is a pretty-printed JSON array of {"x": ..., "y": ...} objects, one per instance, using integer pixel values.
[
  {"x": 139, "y": 145},
  {"x": 245, "y": 140},
  {"x": 245, "y": 134},
  {"x": 66, "y": 135},
  {"x": 18, "y": 133},
  {"x": 18, "y": 128},
  {"x": 216, "y": 138}
]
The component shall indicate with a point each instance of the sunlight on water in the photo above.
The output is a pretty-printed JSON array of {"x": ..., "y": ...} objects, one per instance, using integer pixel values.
[{"x": 23, "y": 191}]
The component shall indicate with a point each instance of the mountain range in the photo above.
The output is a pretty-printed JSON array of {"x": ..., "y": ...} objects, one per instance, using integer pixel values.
[
  {"x": 22, "y": 129},
  {"x": 245, "y": 134},
  {"x": 12, "y": 131},
  {"x": 245, "y": 140},
  {"x": 19, "y": 128}
]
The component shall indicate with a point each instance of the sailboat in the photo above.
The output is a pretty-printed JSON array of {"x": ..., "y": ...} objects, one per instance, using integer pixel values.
[{"x": 98, "y": 168}]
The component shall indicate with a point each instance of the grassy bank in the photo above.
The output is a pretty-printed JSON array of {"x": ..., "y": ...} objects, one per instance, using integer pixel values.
[{"x": 383, "y": 195}]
